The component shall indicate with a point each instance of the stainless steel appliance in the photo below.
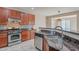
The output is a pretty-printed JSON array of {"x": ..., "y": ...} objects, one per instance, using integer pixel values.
[
  {"x": 14, "y": 37},
  {"x": 38, "y": 41}
]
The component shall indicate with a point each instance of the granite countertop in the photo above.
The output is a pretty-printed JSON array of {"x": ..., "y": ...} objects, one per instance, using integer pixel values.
[
  {"x": 73, "y": 32},
  {"x": 51, "y": 43},
  {"x": 65, "y": 44},
  {"x": 75, "y": 36}
]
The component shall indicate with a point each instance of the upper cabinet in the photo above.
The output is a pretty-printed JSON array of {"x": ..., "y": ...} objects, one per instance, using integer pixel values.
[
  {"x": 3, "y": 16},
  {"x": 31, "y": 19},
  {"x": 24, "y": 19},
  {"x": 27, "y": 19},
  {"x": 14, "y": 14}
]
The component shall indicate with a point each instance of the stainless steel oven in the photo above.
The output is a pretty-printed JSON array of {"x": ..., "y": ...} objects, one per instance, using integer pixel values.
[{"x": 14, "y": 37}]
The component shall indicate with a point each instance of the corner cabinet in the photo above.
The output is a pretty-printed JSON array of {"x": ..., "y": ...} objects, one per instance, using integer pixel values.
[
  {"x": 3, "y": 16},
  {"x": 14, "y": 14},
  {"x": 25, "y": 35},
  {"x": 31, "y": 19},
  {"x": 27, "y": 19},
  {"x": 32, "y": 32}
]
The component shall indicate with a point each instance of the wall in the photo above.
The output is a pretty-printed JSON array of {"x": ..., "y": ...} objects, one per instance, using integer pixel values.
[
  {"x": 78, "y": 22},
  {"x": 48, "y": 22},
  {"x": 39, "y": 21}
]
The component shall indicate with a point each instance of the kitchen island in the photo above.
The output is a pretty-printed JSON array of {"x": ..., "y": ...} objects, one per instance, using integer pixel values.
[
  {"x": 47, "y": 42},
  {"x": 49, "y": 45}
]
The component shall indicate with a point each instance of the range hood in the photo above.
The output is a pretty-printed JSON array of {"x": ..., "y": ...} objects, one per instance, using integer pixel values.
[
  {"x": 13, "y": 23},
  {"x": 11, "y": 20}
]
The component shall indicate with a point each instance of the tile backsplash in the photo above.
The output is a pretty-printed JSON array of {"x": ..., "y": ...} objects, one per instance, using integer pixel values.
[
  {"x": 29, "y": 27},
  {"x": 2, "y": 27},
  {"x": 26, "y": 27}
]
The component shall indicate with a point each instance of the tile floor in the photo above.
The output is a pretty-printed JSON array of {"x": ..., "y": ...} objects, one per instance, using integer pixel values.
[{"x": 24, "y": 46}]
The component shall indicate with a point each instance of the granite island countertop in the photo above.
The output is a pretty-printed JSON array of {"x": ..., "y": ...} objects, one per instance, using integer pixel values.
[{"x": 52, "y": 44}]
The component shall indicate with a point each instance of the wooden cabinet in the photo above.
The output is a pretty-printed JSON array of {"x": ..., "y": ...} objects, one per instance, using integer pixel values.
[
  {"x": 25, "y": 35},
  {"x": 32, "y": 34},
  {"x": 3, "y": 39},
  {"x": 14, "y": 14},
  {"x": 24, "y": 19},
  {"x": 3, "y": 16},
  {"x": 27, "y": 19},
  {"x": 31, "y": 19}
]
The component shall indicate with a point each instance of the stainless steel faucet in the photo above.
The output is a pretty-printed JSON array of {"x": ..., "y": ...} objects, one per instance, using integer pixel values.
[{"x": 59, "y": 28}]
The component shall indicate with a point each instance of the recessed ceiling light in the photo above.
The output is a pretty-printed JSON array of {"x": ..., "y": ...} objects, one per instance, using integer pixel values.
[
  {"x": 59, "y": 11},
  {"x": 32, "y": 8}
]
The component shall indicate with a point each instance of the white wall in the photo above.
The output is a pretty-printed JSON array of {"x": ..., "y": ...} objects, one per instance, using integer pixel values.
[
  {"x": 53, "y": 22},
  {"x": 39, "y": 21}
]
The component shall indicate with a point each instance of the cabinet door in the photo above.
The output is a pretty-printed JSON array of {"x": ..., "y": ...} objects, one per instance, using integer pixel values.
[
  {"x": 14, "y": 14},
  {"x": 3, "y": 41},
  {"x": 3, "y": 20},
  {"x": 31, "y": 19},
  {"x": 24, "y": 19},
  {"x": 3, "y": 16},
  {"x": 25, "y": 35},
  {"x": 32, "y": 34}
]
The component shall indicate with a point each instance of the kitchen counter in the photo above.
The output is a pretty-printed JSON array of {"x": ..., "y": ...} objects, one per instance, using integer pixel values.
[
  {"x": 65, "y": 45},
  {"x": 70, "y": 34},
  {"x": 51, "y": 44}
]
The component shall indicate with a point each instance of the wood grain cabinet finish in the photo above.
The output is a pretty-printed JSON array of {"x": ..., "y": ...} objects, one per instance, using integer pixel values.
[
  {"x": 24, "y": 19},
  {"x": 25, "y": 35},
  {"x": 27, "y": 19},
  {"x": 3, "y": 16},
  {"x": 14, "y": 14},
  {"x": 45, "y": 46},
  {"x": 3, "y": 39},
  {"x": 31, "y": 19},
  {"x": 32, "y": 34}
]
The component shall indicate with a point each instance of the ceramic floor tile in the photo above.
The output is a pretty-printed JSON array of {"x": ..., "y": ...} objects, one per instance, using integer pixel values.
[{"x": 24, "y": 46}]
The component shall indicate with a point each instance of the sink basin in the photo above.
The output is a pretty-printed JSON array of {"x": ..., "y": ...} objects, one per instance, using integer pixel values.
[{"x": 58, "y": 42}]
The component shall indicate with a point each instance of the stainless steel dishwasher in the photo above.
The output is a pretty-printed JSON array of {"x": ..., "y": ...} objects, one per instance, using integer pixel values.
[{"x": 38, "y": 41}]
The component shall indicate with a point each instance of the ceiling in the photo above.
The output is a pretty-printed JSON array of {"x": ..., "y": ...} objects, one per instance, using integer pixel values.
[{"x": 46, "y": 11}]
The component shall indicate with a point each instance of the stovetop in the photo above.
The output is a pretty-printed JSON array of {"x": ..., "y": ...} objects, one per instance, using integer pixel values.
[{"x": 15, "y": 31}]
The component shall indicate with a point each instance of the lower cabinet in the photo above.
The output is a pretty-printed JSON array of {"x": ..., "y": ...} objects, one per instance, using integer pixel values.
[
  {"x": 3, "y": 40},
  {"x": 32, "y": 34},
  {"x": 25, "y": 35}
]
